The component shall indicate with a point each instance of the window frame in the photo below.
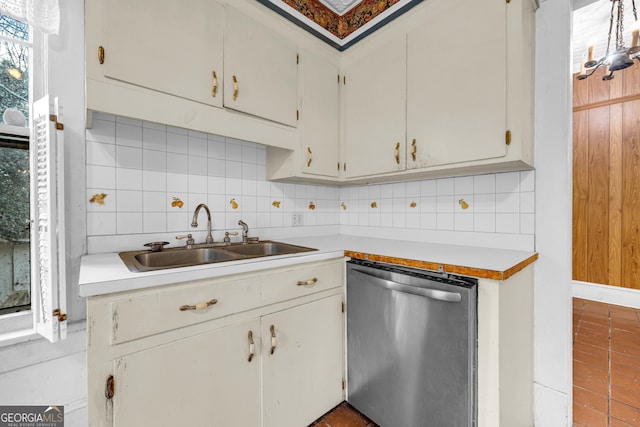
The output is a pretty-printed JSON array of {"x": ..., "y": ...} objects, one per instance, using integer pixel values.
[{"x": 20, "y": 326}]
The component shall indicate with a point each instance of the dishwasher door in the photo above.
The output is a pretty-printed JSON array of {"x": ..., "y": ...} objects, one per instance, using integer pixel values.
[{"x": 411, "y": 346}]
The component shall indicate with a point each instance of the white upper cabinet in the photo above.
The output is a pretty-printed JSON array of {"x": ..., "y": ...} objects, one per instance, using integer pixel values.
[
  {"x": 456, "y": 83},
  {"x": 260, "y": 67},
  {"x": 166, "y": 46},
  {"x": 319, "y": 115},
  {"x": 374, "y": 109}
]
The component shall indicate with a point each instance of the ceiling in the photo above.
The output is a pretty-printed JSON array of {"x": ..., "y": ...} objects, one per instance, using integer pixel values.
[
  {"x": 340, "y": 23},
  {"x": 591, "y": 26}
]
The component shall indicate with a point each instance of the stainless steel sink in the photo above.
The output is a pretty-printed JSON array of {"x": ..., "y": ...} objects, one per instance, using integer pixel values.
[
  {"x": 266, "y": 248},
  {"x": 182, "y": 257}
]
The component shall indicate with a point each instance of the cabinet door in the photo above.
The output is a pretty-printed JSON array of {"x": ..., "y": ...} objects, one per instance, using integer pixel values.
[
  {"x": 202, "y": 380},
  {"x": 261, "y": 73},
  {"x": 166, "y": 46},
  {"x": 456, "y": 83},
  {"x": 319, "y": 81},
  {"x": 374, "y": 110},
  {"x": 302, "y": 379}
]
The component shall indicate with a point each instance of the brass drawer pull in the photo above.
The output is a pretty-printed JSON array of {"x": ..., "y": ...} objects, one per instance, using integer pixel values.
[
  {"x": 235, "y": 88},
  {"x": 398, "y": 153},
  {"x": 310, "y": 157},
  {"x": 414, "y": 150},
  {"x": 214, "y": 91},
  {"x": 251, "y": 346},
  {"x": 199, "y": 306},
  {"x": 273, "y": 338},
  {"x": 101, "y": 54},
  {"x": 307, "y": 282}
]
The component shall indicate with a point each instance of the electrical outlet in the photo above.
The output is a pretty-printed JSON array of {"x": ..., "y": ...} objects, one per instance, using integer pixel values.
[{"x": 298, "y": 219}]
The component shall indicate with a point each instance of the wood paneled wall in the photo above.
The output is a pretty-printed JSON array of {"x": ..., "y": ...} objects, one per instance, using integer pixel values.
[{"x": 606, "y": 179}]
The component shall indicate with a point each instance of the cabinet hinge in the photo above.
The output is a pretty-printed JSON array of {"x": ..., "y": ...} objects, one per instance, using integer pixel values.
[
  {"x": 507, "y": 137},
  {"x": 110, "y": 387},
  {"x": 343, "y": 307},
  {"x": 61, "y": 316},
  {"x": 344, "y": 384},
  {"x": 54, "y": 118}
]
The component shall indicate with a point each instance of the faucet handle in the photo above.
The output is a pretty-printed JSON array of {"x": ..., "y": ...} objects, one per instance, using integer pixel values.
[
  {"x": 156, "y": 246},
  {"x": 189, "y": 237},
  {"x": 227, "y": 234}
]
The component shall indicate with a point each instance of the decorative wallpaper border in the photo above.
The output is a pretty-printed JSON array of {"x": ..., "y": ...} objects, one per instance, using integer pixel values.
[{"x": 341, "y": 26}]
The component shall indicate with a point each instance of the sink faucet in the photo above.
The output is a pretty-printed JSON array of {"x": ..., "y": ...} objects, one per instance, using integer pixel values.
[
  {"x": 194, "y": 223},
  {"x": 245, "y": 230}
]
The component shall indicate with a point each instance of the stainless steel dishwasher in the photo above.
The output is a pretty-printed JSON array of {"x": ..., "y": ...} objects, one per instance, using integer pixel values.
[{"x": 411, "y": 346}]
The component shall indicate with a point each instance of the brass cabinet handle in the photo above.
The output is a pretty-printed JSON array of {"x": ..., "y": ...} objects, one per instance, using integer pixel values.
[
  {"x": 214, "y": 91},
  {"x": 199, "y": 306},
  {"x": 398, "y": 153},
  {"x": 414, "y": 149},
  {"x": 310, "y": 157},
  {"x": 252, "y": 346},
  {"x": 101, "y": 54},
  {"x": 235, "y": 88},
  {"x": 307, "y": 282},
  {"x": 273, "y": 338}
]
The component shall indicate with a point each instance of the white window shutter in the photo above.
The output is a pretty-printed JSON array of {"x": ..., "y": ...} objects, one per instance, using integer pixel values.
[{"x": 48, "y": 278}]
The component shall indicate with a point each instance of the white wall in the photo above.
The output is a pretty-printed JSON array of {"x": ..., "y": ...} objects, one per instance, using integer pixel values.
[{"x": 552, "y": 312}]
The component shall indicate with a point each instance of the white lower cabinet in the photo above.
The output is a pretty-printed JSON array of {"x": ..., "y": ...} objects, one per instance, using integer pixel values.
[{"x": 276, "y": 360}]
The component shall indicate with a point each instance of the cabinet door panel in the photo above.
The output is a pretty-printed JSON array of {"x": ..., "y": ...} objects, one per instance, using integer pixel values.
[
  {"x": 265, "y": 70},
  {"x": 302, "y": 379},
  {"x": 456, "y": 83},
  {"x": 374, "y": 110},
  {"x": 202, "y": 380},
  {"x": 319, "y": 115},
  {"x": 166, "y": 46}
]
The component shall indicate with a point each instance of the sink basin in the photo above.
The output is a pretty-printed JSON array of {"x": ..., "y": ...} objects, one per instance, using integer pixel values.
[
  {"x": 178, "y": 257},
  {"x": 181, "y": 257},
  {"x": 266, "y": 248}
]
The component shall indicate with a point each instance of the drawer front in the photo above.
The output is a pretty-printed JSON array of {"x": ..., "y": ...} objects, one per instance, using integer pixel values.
[
  {"x": 153, "y": 313},
  {"x": 301, "y": 280}
]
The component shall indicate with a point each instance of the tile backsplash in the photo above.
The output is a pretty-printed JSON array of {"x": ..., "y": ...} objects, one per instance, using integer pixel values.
[{"x": 146, "y": 179}]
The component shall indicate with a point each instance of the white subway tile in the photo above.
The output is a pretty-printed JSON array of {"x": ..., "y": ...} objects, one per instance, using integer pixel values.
[
  {"x": 507, "y": 223},
  {"x": 102, "y": 131},
  {"x": 312, "y": 192},
  {"x": 374, "y": 219},
  {"x": 155, "y": 222},
  {"x": 508, "y": 182},
  {"x": 527, "y": 181},
  {"x": 194, "y": 200},
  {"x": 527, "y": 223},
  {"x": 463, "y": 185},
  {"x": 234, "y": 151},
  {"x": 249, "y": 171},
  {"x": 129, "y": 201},
  {"x": 249, "y": 154},
  {"x": 261, "y": 172},
  {"x": 399, "y": 220},
  {"x": 263, "y": 220},
  {"x": 177, "y": 143},
  {"x": 363, "y": 192},
  {"x": 428, "y": 204},
  {"x": 527, "y": 202},
  {"x": 363, "y": 219},
  {"x": 277, "y": 219},
  {"x": 261, "y": 156},
  {"x": 385, "y": 205},
  {"x": 484, "y": 184},
  {"x": 197, "y": 146},
  {"x": 263, "y": 204},
  {"x": 217, "y": 168},
  {"x": 128, "y": 157},
  {"x": 458, "y": 204},
  {"x": 198, "y": 184},
  {"x": 413, "y": 220},
  {"x": 217, "y": 202},
  {"x": 428, "y": 221},
  {"x": 233, "y": 169},
  {"x": 484, "y": 203},
  {"x": 399, "y": 190},
  {"x": 249, "y": 187},
  {"x": 508, "y": 202},
  {"x": 178, "y": 222},
  {"x": 216, "y": 185},
  {"x": 198, "y": 166},
  {"x": 129, "y": 222},
  {"x": 101, "y": 224},
  {"x": 484, "y": 222},
  {"x": 108, "y": 202},
  {"x": 153, "y": 139},
  {"x": 234, "y": 187},
  {"x": 216, "y": 149},
  {"x": 444, "y": 204},
  {"x": 463, "y": 222},
  {"x": 386, "y": 220},
  {"x": 386, "y": 191},
  {"x": 374, "y": 192},
  {"x": 177, "y": 163},
  {"x": 154, "y": 181},
  {"x": 445, "y": 187},
  {"x": 154, "y": 201},
  {"x": 128, "y": 179},
  {"x": 101, "y": 154},
  {"x": 154, "y": 160},
  {"x": 428, "y": 188},
  {"x": 444, "y": 221},
  {"x": 413, "y": 189},
  {"x": 129, "y": 135},
  {"x": 172, "y": 202}
]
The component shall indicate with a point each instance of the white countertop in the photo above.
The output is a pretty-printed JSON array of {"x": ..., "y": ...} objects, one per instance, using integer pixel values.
[{"x": 106, "y": 273}]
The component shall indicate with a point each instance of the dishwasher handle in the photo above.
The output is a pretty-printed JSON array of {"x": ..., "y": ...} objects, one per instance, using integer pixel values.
[{"x": 415, "y": 290}]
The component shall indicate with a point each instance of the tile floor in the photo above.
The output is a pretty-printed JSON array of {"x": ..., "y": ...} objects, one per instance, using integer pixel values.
[
  {"x": 606, "y": 365},
  {"x": 343, "y": 415}
]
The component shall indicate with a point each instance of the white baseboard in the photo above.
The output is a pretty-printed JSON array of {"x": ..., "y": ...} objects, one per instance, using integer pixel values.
[{"x": 607, "y": 294}]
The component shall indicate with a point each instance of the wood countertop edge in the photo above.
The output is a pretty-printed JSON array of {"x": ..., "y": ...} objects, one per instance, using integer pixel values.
[{"x": 447, "y": 268}]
